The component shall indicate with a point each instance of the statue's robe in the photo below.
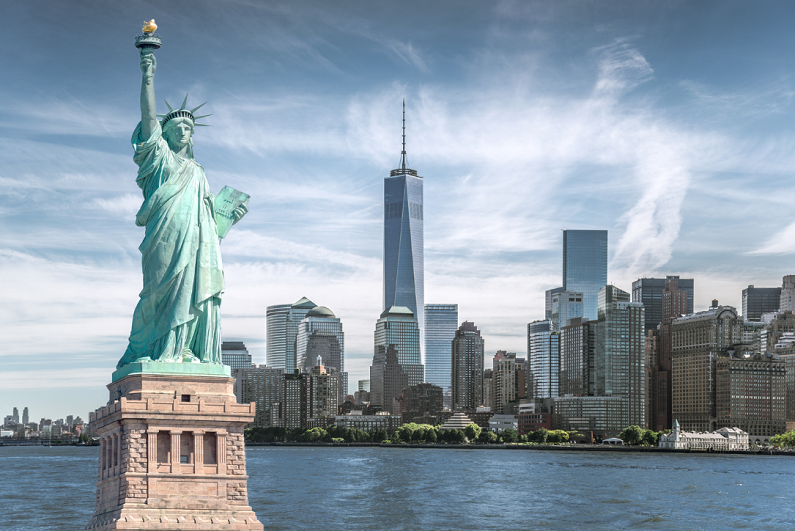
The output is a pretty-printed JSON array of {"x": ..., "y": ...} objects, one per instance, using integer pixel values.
[{"x": 179, "y": 310}]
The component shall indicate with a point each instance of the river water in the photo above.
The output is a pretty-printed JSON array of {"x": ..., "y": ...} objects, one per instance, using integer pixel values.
[{"x": 383, "y": 488}]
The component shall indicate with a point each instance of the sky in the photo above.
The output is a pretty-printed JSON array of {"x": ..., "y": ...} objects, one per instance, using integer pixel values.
[{"x": 670, "y": 124}]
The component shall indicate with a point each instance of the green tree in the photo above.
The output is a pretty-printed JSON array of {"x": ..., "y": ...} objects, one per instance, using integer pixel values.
[
  {"x": 557, "y": 436},
  {"x": 650, "y": 438},
  {"x": 510, "y": 435},
  {"x": 539, "y": 436},
  {"x": 487, "y": 437},
  {"x": 784, "y": 439},
  {"x": 379, "y": 435},
  {"x": 631, "y": 435},
  {"x": 472, "y": 432}
]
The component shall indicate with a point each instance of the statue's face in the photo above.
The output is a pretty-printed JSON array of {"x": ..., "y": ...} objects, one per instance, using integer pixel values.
[{"x": 179, "y": 134}]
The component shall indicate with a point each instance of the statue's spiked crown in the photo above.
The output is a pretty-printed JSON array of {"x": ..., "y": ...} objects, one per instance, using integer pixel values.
[{"x": 182, "y": 112}]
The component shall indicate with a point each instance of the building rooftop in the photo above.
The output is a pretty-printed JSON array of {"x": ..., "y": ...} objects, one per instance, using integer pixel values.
[
  {"x": 320, "y": 311},
  {"x": 397, "y": 311}
]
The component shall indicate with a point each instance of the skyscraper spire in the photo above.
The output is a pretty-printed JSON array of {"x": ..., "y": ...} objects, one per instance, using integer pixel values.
[{"x": 404, "y": 168}]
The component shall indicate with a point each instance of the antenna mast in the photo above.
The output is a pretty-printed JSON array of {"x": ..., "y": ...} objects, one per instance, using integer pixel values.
[{"x": 403, "y": 153}]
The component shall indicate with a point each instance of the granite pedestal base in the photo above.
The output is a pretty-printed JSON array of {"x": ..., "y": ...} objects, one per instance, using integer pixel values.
[{"x": 172, "y": 455}]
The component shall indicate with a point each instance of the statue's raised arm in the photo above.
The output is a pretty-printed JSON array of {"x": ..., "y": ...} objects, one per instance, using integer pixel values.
[{"x": 148, "y": 116}]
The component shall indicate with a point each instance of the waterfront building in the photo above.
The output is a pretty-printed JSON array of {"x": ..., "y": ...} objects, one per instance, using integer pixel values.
[
  {"x": 404, "y": 274},
  {"x": 320, "y": 334},
  {"x": 697, "y": 341},
  {"x": 603, "y": 416},
  {"x": 508, "y": 378},
  {"x": 577, "y": 357},
  {"x": 548, "y": 301},
  {"x": 787, "y": 299},
  {"x": 654, "y": 388},
  {"x": 757, "y": 301},
  {"x": 751, "y": 393},
  {"x": 467, "y": 348},
  {"x": 585, "y": 266},
  {"x": 620, "y": 352},
  {"x": 723, "y": 439},
  {"x": 501, "y": 422},
  {"x": 529, "y": 419},
  {"x": 488, "y": 389},
  {"x": 441, "y": 322},
  {"x": 369, "y": 423},
  {"x": 235, "y": 355},
  {"x": 649, "y": 291},
  {"x": 309, "y": 396},
  {"x": 396, "y": 331},
  {"x": 458, "y": 421},
  {"x": 543, "y": 358},
  {"x": 263, "y": 386},
  {"x": 283, "y": 321},
  {"x": 565, "y": 305}
]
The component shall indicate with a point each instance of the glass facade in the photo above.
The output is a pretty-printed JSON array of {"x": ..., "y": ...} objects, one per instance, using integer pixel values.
[
  {"x": 441, "y": 323},
  {"x": 565, "y": 305},
  {"x": 543, "y": 355},
  {"x": 649, "y": 291},
  {"x": 403, "y": 245},
  {"x": 548, "y": 302},
  {"x": 585, "y": 266},
  {"x": 396, "y": 334},
  {"x": 282, "y": 330},
  {"x": 320, "y": 334},
  {"x": 757, "y": 301},
  {"x": 235, "y": 355}
]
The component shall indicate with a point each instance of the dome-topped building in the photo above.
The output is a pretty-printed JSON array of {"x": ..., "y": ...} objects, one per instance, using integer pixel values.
[
  {"x": 320, "y": 335},
  {"x": 320, "y": 311}
]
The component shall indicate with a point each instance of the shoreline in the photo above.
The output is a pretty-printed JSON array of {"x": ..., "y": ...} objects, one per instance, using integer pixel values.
[{"x": 541, "y": 447}]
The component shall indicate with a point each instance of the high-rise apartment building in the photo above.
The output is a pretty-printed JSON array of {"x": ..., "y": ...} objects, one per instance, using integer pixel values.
[
  {"x": 757, "y": 301},
  {"x": 698, "y": 340},
  {"x": 543, "y": 358},
  {"x": 577, "y": 357},
  {"x": 649, "y": 291},
  {"x": 262, "y": 385},
  {"x": 282, "y": 329},
  {"x": 565, "y": 305},
  {"x": 787, "y": 301},
  {"x": 585, "y": 266},
  {"x": 388, "y": 380},
  {"x": 441, "y": 323},
  {"x": 309, "y": 396},
  {"x": 488, "y": 389},
  {"x": 467, "y": 368},
  {"x": 235, "y": 355},
  {"x": 396, "y": 330},
  {"x": 751, "y": 393},
  {"x": 404, "y": 271},
  {"x": 320, "y": 334},
  {"x": 508, "y": 378}
]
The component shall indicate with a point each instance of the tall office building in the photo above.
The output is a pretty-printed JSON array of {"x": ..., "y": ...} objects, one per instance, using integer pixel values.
[
  {"x": 320, "y": 334},
  {"x": 364, "y": 385},
  {"x": 787, "y": 301},
  {"x": 543, "y": 358},
  {"x": 25, "y": 417},
  {"x": 488, "y": 388},
  {"x": 441, "y": 323},
  {"x": 282, "y": 322},
  {"x": 649, "y": 291},
  {"x": 548, "y": 302},
  {"x": 698, "y": 340},
  {"x": 467, "y": 368},
  {"x": 565, "y": 305},
  {"x": 577, "y": 357},
  {"x": 404, "y": 275},
  {"x": 396, "y": 330},
  {"x": 15, "y": 416},
  {"x": 235, "y": 355},
  {"x": 675, "y": 303},
  {"x": 585, "y": 266},
  {"x": 757, "y": 301}
]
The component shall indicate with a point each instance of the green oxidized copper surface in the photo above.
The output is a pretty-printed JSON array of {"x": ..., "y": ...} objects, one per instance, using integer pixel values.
[{"x": 176, "y": 326}]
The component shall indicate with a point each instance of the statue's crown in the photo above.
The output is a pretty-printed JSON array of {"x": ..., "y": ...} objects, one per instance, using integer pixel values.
[{"x": 182, "y": 112}]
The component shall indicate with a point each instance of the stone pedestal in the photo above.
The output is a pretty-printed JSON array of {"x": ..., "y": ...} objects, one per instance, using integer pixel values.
[{"x": 172, "y": 454}]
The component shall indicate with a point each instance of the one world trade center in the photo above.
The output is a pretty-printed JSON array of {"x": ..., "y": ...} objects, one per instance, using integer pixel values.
[{"x": 403, "y": 239}]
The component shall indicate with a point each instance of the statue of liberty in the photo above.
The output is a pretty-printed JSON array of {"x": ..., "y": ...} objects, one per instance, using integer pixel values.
[{"x": 178, "y": 316}]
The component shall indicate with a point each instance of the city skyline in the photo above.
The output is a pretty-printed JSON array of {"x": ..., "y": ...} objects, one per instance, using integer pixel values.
[{"x": 527, "y": 119}]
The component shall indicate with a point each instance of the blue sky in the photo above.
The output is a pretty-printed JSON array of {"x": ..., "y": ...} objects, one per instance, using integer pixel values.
[{"x": 668, "y": 123}]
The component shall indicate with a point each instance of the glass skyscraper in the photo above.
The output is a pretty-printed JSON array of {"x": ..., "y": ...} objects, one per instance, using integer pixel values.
[
  {"x": 403, "y": 240},
  {"x": 441, "y": 323},
  {"x": 320, "y": 334},
  {"x": 543, "y": 355},
  {"x": 565, "y": 305},
  {"x": 235, "y": 355},
  {"x": 649, "y": 291},
  {"x": 282, "y": 322},
  {"x": 396, "y": 334},
  {"x": 585, "y": 266}
]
